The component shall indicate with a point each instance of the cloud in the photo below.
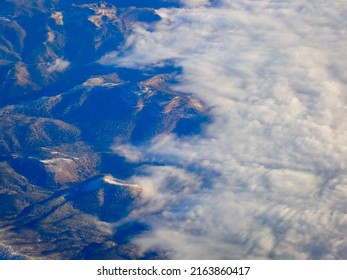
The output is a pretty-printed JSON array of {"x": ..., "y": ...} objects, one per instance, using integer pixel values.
[
  {"x": 194, "y": 3},
  {"x": 58, "y": 65},
  {"x": 266, "y": 179},
  {"x": 130, "y": 153}
]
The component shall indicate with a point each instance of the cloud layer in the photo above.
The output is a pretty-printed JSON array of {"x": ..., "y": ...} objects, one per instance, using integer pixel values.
[{"x": 267, "y": 179}]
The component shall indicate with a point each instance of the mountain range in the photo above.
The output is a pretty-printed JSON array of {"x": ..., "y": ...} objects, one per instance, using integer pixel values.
[{"x": 65, "y": 193}]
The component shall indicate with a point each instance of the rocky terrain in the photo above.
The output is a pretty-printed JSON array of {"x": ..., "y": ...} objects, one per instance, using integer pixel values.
[{"x": 61, "y": 184}]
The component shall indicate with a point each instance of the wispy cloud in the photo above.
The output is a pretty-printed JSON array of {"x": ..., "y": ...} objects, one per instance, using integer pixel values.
[
  {"x": 58, "y": 65},
  {"x": 273, "y": 75}
]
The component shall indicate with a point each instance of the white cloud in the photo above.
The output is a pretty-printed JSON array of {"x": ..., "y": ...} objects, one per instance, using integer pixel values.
[
  {"x": 195, "y": 3},
  {"x": 58, "y": 65},
  {"x": 130, "y": 153},
  {"x": 271, "y": 167}
]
